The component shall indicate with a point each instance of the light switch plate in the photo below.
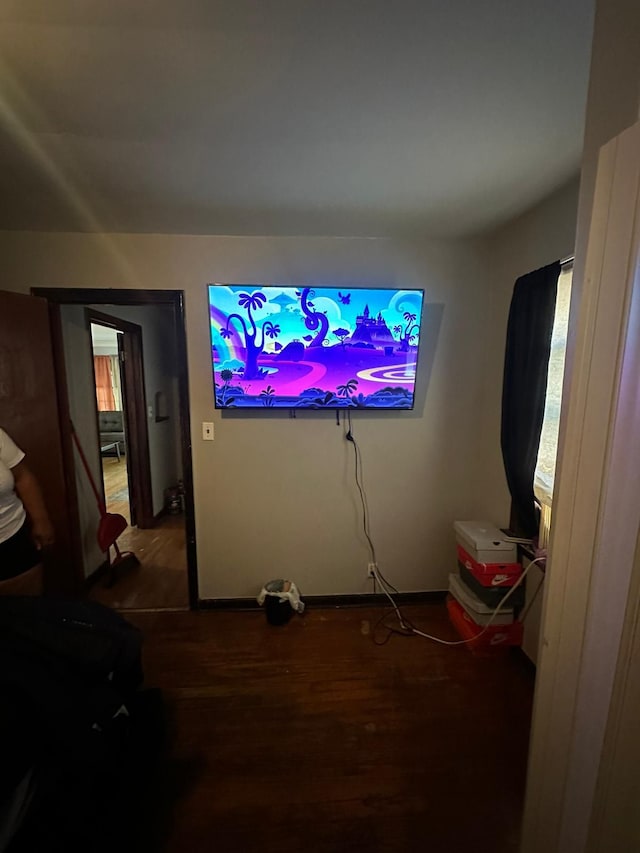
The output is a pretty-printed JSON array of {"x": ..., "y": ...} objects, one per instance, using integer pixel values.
[{"x": 207, "y": 431}]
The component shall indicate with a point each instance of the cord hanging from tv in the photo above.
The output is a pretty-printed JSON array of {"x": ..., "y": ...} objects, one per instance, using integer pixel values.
[{"x": 314, "y": 348}]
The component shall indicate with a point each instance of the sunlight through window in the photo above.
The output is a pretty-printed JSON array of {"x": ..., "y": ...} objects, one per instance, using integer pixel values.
[{"x": 546, "y": 463}]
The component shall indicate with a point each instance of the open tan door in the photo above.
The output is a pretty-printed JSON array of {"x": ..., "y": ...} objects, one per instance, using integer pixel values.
[
  {"x": 29, "y": 412},
  {"x": 589, "y": 609}
]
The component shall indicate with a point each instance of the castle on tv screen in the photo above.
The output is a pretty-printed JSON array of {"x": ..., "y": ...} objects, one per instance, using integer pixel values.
[{"x": 314, "y": 348}]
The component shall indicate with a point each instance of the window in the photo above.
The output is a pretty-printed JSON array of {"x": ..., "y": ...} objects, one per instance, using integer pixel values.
[{"x": 547, "y": 451}]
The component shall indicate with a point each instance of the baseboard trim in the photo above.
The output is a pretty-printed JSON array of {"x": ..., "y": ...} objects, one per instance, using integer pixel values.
[{"x": 370, "y": 599}]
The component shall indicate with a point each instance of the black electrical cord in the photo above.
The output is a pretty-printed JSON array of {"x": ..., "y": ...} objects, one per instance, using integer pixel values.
[
  {"x": 407, "y": 628},
  {"x": 365, "y": 510},
  {"x": 389, "y": 628}
]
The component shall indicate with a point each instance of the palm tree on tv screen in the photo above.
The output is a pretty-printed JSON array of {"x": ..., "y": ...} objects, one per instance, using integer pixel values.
[{"x": 254, "y": 336}]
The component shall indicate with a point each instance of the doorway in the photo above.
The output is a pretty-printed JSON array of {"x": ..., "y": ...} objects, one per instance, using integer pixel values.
[
  {"x": 114, "y": 454},
  {"x": 124, "y": 421},
  {"x": 140, "y": 449},
  {"x": 139, "y": 456}
]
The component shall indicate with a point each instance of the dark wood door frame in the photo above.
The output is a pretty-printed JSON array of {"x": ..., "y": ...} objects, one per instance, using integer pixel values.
[
  {"x": 115, "y": 296},
  {"x": 135, "y": 409}
]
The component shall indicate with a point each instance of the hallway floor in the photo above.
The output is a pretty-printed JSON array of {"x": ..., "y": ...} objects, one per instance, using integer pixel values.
[
  {"x": 160, "y": 581},
  {"x": 310, "y": 737},
  {"x": 116, "y": 486}
]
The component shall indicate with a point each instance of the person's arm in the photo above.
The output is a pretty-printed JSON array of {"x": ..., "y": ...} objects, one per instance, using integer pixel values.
[{"x": 28, "y": 490}]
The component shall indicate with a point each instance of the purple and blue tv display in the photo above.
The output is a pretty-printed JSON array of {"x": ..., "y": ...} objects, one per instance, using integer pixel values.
[{"x": 314, "y": 348}]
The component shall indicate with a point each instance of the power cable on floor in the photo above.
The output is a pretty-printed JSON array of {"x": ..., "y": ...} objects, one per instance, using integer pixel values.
[{"x": 407, "y": 628}]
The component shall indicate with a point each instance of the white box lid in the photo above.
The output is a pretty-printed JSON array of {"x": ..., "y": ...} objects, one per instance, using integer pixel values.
[{"x": 484, "y": 536}]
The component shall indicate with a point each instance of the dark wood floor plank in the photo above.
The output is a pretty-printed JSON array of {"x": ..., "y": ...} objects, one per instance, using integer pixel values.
[{"x": 311, "y": 737}]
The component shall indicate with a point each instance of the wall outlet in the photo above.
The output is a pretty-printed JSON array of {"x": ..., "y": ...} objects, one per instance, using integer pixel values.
[{"x": 371, "y": 570}]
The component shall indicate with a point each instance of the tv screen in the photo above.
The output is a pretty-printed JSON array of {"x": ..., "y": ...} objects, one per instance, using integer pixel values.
[{"x": 314, "y": 348}]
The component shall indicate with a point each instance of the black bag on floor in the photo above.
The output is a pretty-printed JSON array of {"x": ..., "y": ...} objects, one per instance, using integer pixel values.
[
  {"x": 99, "y": 806},
  {"x": 77, "y": 661},
  {"x": 70, "y": 674},
  {"x": 80, "y": 637}
]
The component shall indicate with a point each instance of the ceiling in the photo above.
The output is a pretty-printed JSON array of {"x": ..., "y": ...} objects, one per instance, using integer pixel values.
[{"x": 287, "y": 117}]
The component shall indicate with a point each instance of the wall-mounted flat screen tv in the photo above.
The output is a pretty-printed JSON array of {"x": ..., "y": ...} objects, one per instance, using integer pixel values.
[{"x": 314, "y": 348}]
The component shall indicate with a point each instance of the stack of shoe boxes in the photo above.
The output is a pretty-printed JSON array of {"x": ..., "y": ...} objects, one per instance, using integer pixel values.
[{"x": 487, "y": 568}]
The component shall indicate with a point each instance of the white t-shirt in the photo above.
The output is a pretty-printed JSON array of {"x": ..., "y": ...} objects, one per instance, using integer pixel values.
[{"x": 12, "y": 514}]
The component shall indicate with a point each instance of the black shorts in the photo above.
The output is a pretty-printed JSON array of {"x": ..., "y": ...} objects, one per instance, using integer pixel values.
[{"x": 18, "y": 554}]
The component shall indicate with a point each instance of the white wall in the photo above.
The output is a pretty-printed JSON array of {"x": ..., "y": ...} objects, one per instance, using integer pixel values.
[{"x": 276, "y": 496}]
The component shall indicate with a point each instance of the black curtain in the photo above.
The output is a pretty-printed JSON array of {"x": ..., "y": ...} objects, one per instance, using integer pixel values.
[{"x": 524, "y": 388}]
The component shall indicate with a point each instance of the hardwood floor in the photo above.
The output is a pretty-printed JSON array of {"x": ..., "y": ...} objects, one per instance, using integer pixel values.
[
  {"x": 310, "y": 737},
  {"x": 160, "y": 581},
  {"x": 116, "y": 487}
]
